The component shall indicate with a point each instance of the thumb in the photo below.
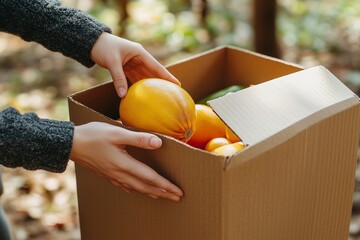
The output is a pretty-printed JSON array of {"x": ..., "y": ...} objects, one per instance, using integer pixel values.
[
  {"x": 119, "y": 80},
  {"x": 144, "y": 140}
]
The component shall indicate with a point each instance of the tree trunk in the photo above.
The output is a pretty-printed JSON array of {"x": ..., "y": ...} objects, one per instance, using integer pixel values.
[
  {"x": 122, "y": 9},
  {"x": 264, "y": 26},
  {"x": 200, "y": 8}
]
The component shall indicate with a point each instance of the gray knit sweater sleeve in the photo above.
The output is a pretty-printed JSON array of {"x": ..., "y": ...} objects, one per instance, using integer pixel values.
[
  {"x": 33, "y": 143},
  {"x": 26, "y": 140},
  {"x": 58, "y": 28}
]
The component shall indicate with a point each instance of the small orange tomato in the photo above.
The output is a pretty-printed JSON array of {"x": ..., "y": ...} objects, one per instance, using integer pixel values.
[
  {"x": 231, "y": 135},
  {"x": 216, "y": 142},
  {"x": 230, "y": 149}
]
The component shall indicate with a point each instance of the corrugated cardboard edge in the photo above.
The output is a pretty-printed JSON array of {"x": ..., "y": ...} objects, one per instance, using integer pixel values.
[
  {"x": 258, "y": 112},
  {"x": 284, "y": 135},
  {"x": 330, "y": 88}
]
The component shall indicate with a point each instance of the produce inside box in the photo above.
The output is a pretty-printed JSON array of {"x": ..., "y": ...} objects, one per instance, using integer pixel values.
[{"x": 168, "y": 109}]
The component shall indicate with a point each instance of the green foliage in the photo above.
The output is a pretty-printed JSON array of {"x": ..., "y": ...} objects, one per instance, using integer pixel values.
[
  {"x": 174, "y": 25},
  {"x": 316, "y": 25}
]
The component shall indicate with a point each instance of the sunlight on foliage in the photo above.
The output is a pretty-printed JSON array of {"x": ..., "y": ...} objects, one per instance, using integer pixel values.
[{"x": 316, "y": 25}]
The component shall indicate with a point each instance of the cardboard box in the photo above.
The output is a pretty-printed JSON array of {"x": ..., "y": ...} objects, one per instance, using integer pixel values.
[{"x": 295, "y": 180}]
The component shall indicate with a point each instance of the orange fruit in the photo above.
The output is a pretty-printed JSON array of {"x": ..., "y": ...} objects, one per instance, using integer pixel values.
[
  {"x": 231, "y": 135},
  {"x": 216, "y": 142},
  {"x": 208, "y": 126},
  {"x": 159, "y": 106},
  {"x": 230, "y": 149}
]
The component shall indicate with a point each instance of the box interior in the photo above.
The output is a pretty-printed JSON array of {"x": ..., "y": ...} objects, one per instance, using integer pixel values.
[{"x": 225, "y": 66}]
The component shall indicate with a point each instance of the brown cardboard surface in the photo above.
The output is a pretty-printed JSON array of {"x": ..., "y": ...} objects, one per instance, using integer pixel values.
[
  {"x": 246, "y": 67},
  {"x": 224, "y": 66},
  {"x": 298, "y": 189},
  {"x": 263, "y": 110},
  {"x": 294, "y": 182}
]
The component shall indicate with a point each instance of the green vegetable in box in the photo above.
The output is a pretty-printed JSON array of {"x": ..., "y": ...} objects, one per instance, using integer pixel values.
[{"x": 220, "y": 93}]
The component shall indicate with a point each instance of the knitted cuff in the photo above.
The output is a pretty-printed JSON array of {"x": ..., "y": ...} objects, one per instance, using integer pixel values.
[{"x": 33, "y": 143}]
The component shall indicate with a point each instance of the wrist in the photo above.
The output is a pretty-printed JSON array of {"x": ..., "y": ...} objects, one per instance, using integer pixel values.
[{"x": 98, "y": 45}]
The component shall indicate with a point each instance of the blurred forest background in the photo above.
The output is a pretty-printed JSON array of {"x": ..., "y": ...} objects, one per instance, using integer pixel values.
[{"x": 42, "y": 205}]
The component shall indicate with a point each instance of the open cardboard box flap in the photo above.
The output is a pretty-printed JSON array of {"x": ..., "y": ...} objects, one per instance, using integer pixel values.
[
  {"x": 298, "y": 171},
  {"x": 262, "y": 110}
]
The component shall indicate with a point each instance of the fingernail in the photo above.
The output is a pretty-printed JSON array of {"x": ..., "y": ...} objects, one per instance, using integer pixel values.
[
  {"x": 152, "y": 196},
  {"x": 155, "y": 142},
  {"x": 175, "y": 198},
  {"x": 179, "y": 193},
  {"x": 122, "y": 91}
]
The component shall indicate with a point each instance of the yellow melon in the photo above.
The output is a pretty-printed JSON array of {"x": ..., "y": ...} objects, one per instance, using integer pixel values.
[{"x": 159, "y": 106}]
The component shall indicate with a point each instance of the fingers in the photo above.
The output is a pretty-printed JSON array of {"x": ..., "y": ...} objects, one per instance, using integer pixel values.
[
  {"x": 151, "y": 188},
  {"x": 123, "y": 186},
  {"x": 161, "y": 185},
  {"x": 141, "y": 139},
  {"x": 137, "y": 176},
  {"x": 163, "y": 73},
  {"x": 144, "y": 179},
  {"x": 152, "y": 191},
  {"x": 119, "y": 79},
  {"x": 144, "y": 68},
  {"x": 149, "y": 177},
  {"x": 119, "y": 55},
  {"x": 158, "y": 70}
]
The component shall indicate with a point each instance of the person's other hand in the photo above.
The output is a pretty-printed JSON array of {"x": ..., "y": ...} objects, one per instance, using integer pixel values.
[
  {"x": 127, "y": 60},
  {"x": 100, "y": 147}
]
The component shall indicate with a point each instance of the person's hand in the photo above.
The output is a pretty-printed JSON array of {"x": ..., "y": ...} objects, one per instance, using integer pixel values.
[
  {"x": 127, "y": 60},
  {"x": 100, "y": 147}
]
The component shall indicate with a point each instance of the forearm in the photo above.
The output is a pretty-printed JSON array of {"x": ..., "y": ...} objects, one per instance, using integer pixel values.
[
  {"x": 33, "y": 143},
  {"x": 58, "y": 28}
]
